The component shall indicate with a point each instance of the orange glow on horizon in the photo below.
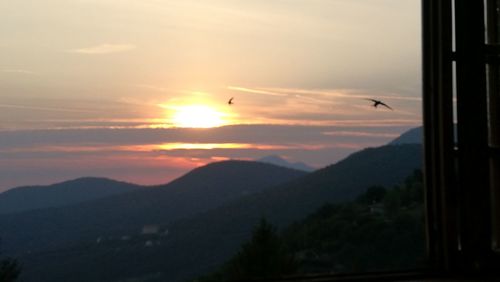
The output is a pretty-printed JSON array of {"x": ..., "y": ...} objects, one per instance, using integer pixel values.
[{"x": 205, "y": 146}]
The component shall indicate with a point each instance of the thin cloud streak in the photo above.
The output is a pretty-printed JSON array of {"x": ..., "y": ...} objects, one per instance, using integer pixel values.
[
  {"x": 112, "y": 124},
  {"x": 44, "y": 108},
  {"x": 361, "y": 134},
  {"x": 166, "y": 147},
  {"x": 339, "y": 123},
  {"x": 344, "y": 93},
  {"x": 240, "y": 134},
  {"x": 255, "y": 91},
  {"x": 343, "y": 98},
  {"x": 210, "y": 146},
  {"x": 104, "y": 49}
]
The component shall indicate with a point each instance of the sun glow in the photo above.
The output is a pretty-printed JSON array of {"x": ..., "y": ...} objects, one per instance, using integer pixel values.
[{"x": 197, "y": 116}]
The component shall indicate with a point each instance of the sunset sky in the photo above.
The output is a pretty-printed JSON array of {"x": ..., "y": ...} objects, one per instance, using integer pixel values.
[{"x": 137, "y": 90}]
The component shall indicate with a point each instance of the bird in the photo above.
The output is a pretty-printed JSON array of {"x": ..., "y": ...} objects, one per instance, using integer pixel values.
[
  {"x": 377, "y": 103},
  {"x": 230, "y": 102}
]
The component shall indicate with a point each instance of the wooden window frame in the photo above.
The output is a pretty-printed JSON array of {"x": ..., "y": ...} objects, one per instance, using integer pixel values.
[{"x": 461, "y": 207}]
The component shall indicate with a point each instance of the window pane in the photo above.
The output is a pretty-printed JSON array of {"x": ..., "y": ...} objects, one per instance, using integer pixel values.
[{"x": 265, "y": 138}]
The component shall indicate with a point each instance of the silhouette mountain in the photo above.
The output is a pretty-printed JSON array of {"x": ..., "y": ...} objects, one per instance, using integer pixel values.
[
  {"x": 286, "y": 203},
  {"x": 201, "y": 189},
  {"x": 412, "y": 136},
  {"x": 277, "y": 160},
  {"x": 61, "y": 194},
  {"x": 200, "y": 243}
]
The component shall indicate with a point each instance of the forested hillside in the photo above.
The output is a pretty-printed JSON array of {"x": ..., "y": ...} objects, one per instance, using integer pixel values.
[{"x": 382, "y": 229}]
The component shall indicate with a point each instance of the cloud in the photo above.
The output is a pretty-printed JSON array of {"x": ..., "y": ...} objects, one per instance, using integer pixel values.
[
  {"x": 345, "y": 93},
  {"x": 228, "y": 135},
  {"x": 175, "y": 138},
  {"x": 340, "y": 97},
  {"x": 43, "y": 108},
  {"x": 362, "y": 134},
  {"x": 152, "y": 156},
  {"x": 255, "y": 91},
  {"x": 104, "y": 49}
]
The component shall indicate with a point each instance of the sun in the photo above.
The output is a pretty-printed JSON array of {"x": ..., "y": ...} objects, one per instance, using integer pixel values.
[{"x": 197, "y": 116}]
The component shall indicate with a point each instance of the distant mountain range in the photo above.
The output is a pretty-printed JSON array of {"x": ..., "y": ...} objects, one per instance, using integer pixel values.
[
  {"x": 277, "y": 160},
  {"x": 203, "y": 216},
  {"x": 201, "y": 189},
  {"x": 199, "y": 241},
  {"x": 286, "y": 203},
  {"x": 61, "y": 194},
  {"x": 91, "y": 188}
]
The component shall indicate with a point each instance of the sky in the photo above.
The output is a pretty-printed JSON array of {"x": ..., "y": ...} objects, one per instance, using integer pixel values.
[{"x": 137, "y": 90}]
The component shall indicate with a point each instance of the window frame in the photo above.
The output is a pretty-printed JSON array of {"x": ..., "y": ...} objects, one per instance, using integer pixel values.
[{"x": 459, "y": 187}]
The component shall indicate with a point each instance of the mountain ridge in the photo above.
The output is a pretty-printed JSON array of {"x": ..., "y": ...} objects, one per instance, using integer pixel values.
[
  {"x": 64, "y": 193},
  {"x": 412, "y": 136},
  {"x": 199, "y": 190},
  {"x": 26, "y": 198},
  {"x": 278, "y": 160},
  {"x": 303, "y": 196},
  {"x": 199, "y": 243}
]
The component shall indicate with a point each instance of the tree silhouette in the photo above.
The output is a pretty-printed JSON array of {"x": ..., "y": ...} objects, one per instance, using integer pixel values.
[
  {"x": 373, "y": 195},
  {"x": 264, "y": 255},
  {"x": 9, "y": 269},
  {"x": 345, "y": 237}
]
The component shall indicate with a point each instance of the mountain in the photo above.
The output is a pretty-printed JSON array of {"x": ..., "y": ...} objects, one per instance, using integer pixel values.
[
  {"x": 352, "y": 236},
  {"x": 199, "y": 190},
  {"x": 61, "y": 194},
  {"x": 200, "y": 243},
  {"x": 412, "y": 136},
  {"x": 341, "y": 238},
  {"x": 277, "y": 160},
  {"x": 344, "y": 181}
]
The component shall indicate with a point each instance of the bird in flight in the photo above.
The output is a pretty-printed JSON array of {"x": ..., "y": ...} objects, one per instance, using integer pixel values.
[
  {"x": 230, "y": 102},
  {"x": 377, "y": 103}
]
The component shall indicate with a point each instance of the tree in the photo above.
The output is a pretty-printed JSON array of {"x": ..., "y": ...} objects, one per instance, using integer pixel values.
[
  {"x": 9, "y": 269},
  {"x": 374, "y": 194},
  {"x": 264, "y": 255}
]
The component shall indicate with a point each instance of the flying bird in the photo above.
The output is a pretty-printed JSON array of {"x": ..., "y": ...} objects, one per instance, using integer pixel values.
[
  {"x": 230, "y": 102},
  {"x": 377, "y": 103}
]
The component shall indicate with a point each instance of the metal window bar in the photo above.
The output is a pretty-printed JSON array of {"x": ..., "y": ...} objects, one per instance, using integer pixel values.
[{"x": 493, "y": 76}]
